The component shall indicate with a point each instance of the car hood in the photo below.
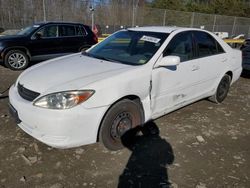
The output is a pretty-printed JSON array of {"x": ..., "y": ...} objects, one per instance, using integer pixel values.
[{"x": 69, "y": 73}]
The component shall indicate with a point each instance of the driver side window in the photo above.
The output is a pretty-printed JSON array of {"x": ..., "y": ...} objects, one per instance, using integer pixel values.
[
  {"x": 181, "y": 45},
  {"x": 49, "y": 31}
]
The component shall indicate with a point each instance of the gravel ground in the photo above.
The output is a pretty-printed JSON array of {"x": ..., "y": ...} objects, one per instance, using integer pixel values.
[{"x": 203, "y": 145}]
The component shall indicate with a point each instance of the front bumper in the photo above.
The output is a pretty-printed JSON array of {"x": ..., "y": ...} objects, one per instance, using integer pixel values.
[{"x": 58, "y": 128}]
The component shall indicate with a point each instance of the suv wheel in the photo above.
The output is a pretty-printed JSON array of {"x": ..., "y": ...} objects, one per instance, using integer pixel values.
[{"x": 16, "y": 60}]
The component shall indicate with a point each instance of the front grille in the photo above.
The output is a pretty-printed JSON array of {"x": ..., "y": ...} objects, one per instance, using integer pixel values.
[{"x": 26, "y": 93}]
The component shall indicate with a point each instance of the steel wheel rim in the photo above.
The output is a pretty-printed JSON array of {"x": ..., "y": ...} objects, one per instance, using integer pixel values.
[
  {"x": 120, "y": 125},
  {"x": 17, "y": 60},
  {"x": 223, "y": 89}
]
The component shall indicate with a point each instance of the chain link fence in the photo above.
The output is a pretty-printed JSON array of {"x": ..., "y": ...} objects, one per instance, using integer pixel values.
[{"x": 16, "y": 14}]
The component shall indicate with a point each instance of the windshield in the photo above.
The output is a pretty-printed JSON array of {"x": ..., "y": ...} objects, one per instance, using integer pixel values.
[
  {"x": 129, "y": 47},
  {"x": 28, "y": 30}
]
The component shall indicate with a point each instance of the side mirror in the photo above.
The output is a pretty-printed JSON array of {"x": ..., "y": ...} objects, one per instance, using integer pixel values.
[
  {"x": 169, "y": 61},
  {"x": 38, "y": 35}
]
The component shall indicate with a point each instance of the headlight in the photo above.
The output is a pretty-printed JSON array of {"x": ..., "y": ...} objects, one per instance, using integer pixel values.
[{"x": 63, "y": 100}]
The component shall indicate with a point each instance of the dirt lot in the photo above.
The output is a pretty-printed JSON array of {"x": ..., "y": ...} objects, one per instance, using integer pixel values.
[{"x": 203, "y": 145}]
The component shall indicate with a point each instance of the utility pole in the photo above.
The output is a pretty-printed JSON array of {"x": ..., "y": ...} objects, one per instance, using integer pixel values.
[
  {"x": 192, "y": 20},
  {"x": 215, "y": 19},
  {"x": 233, "y": 28},
  {"x": 44, "y": 11},
  {"x": 134, "y": 12},
  {"x": 91, "y": 8}
]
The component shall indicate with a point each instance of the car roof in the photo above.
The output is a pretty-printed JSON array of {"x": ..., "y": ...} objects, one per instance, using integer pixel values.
[
  {"x": 56, "y": 22},
  {"x": 163, "y": 29}
]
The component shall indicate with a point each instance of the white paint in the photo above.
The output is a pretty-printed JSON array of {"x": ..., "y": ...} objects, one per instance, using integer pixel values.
[{"x": 171, "y": 89}]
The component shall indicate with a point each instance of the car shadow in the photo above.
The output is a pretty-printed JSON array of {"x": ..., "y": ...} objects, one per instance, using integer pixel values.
[
  {"x": 245, "y": 74},
  {"x": 151, "y": 155}
]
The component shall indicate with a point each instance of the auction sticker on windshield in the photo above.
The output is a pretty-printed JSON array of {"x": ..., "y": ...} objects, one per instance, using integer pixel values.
[{"x": 150, "y": 39}]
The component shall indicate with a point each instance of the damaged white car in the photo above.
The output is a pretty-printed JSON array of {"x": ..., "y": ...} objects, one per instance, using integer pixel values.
[{"x": 133, "y": 76}]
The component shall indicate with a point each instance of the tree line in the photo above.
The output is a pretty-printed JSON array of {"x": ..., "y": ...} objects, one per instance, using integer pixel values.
[
  {"x": 239, "y": 8},
  {"x": 117, "y": 13}
]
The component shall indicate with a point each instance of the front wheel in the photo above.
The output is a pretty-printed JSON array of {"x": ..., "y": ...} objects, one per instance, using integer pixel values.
[
  {"x": 16, "y": 60},
  {"x": 121, "y": 117},
  {"x": 222, "y": 90},
  {"x": 83, "y": 49}
]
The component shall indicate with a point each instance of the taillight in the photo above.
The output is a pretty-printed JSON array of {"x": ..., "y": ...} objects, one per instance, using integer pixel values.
[{"x": 95, "y": 38}]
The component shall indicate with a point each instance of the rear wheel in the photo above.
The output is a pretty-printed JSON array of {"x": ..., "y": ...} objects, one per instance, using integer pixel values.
[
  {"x": 222, "y": 90},
  {"x": 16, "y": 60},
  {"x": 121, "y": 117}
]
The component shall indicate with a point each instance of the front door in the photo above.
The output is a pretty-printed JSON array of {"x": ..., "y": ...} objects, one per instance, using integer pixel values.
[
  {"x": 47, "y": 43},
  {"x": 174, "y": 86}
]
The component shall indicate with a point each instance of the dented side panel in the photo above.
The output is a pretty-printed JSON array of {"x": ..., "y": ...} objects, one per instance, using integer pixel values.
[{"x": 173, "y": 85}]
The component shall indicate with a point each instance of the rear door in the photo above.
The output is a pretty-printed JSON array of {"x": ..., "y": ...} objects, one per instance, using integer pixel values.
[
  {"x": 72, "y": 37},
  {"x": 212, "y": 61}
]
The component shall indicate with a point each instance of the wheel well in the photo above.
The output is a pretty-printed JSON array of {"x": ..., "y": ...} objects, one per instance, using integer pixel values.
[
  {"x": 130, "y": 97},
  {"x": 83, "y": 48},
  {"x": 230, "y": 73},
  {"x": 25, "y": 50}
]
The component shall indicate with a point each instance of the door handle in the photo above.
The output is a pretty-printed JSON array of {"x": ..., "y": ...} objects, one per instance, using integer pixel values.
[{"x": 195, "y": 67}]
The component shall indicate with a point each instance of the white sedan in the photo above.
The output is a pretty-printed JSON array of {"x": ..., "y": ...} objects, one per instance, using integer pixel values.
[{"x": 133, "y": 76}]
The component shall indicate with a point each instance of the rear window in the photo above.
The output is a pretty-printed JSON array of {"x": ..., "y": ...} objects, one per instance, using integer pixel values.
[{"x": 206, "y": 44}]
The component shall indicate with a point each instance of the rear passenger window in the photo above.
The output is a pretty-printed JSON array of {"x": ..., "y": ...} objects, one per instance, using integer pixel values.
[
  {"x": 206, "y": 44},
  {"x": 68, "y": 30},
  {"x": 181, "y": 45},
  {"x": 219, "y": 48}
]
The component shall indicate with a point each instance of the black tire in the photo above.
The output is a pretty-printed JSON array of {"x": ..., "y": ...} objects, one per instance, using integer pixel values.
[
  {"x": 16, "y": 60},
  {"x": 222, "y": 90},
  {"x": 121, "y": 117},
  {"x": 83, "y": 49}
]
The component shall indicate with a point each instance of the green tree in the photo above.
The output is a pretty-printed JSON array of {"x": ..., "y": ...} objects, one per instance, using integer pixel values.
[
  {"x": 169, "y": 4},
  {"x": 222, "y": 7},
  {"x": 228, "y": 7}
]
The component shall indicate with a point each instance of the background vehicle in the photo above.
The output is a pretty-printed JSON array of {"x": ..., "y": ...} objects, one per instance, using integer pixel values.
[
  {"x": 246, "y": 43},
  {"x": 132, "y": 77},
  {"x": 246, "y": 55},
  {"x": 1, "y": 30},
  {"x": 43, "y": 41},
  {"x": 9, "y": 32}
]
